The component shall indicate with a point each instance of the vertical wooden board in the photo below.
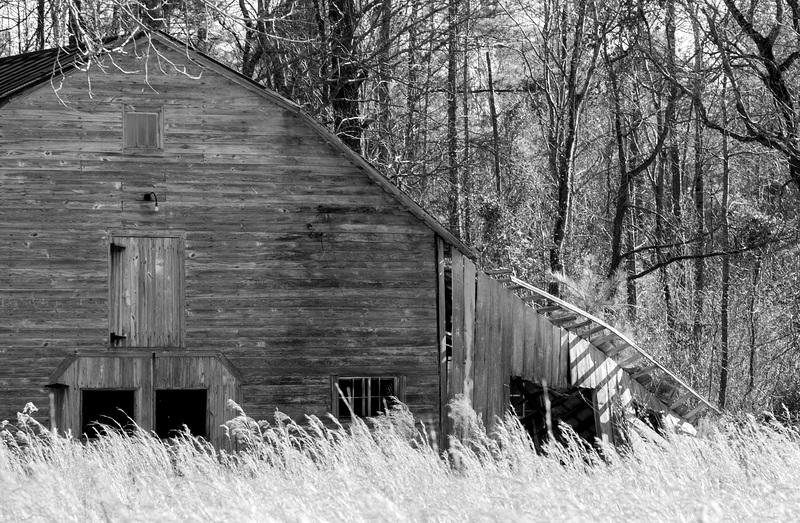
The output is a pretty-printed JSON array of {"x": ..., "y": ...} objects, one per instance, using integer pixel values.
[
  {"x": 495, "y": 353},
  {"x": 180, "y": 289},
  {"x": 554, "y": 343},
  {"x": 144, "y": 372},
  {"x": 143, "y": 278},
  {"x": 517, "y": 335},
  {"x": 157, "y": 309},
  {"x": 563, "y": 356},
  {"x": 490, "y": 350},
  {"x": 557, "y": 373},
  {"x": 457, "y": 378},
  {"x": 530, "y": 369},
  {"x": 213, "y": 400},
  {"x": 173, "y": 302},
  {"x": 123, "y": 301},
  {"x": 132, "y": 294},
  {"x": 444, "y": 426},
  {"x": 603, "y": 418},
  {"x": 71, "y": 399},
  {"x": 580, "y": 361},
  {"x": 71, "y": 413},
  {"x": 469, "y": 328},
  {"x": 543, "y": 336},
  {"x": 505, "y": 309},
  {"x": 482, "y": 341},
  {"x": 115, "y": 288}
]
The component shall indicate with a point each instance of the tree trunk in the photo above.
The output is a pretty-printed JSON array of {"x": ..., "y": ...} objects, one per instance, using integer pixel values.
[
  {"x": 153, "y": 15},
  {"x": 671, "y": 120},
  {"x": 466, "y": 170},
  {"x": 384, "y": 94},
  {"x": 347, "y": 76},
  {"x": 630, "y": 264},
  {"x": 699, "y": 200},
  {"x": 726, "y": 278},
  {"x": 40, "y": 18},
  {"x": 75, "y": 24},
  {"x": 495, "y": 134},
  {"x": 567, "y": 77},
  {"x": 752, "y": 317},
  {"x": 452, "y": 110},
  {"x": 661, "y": 239},
  {"x": 623, "y": 189}
]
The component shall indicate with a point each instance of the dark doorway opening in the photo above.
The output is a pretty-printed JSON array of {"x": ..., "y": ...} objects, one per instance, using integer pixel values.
[
  {"x": 113, "y": 408},
  {"x": 178, "y": 407},
  {"x": 571, "y": 405}
]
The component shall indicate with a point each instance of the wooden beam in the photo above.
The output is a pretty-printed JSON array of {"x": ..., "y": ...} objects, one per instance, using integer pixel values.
[
  {"x": 614, "y": 350},
  {"x": 514, "y": 287},
  {"x": 680, "y": 401},
  {"x": 592, "y": 331},
  {"x": 495, "y": 272},
  {"x": 644, "y": 371},
  {"x": 578, "y": 325},
  {"x": 631, "y": 359},
  {"x": 532, "y": 297},
  {"x": 604, "y": 339},
  {"x": 548, "y": 308},
  {"x": 561, "y": 320},
  {"x": 695, "y": 411}
]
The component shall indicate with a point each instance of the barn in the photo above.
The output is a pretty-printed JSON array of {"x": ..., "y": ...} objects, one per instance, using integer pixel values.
[{"x": 174, "y": 236}]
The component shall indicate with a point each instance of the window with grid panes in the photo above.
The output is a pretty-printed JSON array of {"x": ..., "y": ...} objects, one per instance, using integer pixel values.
[{"x": 365, "y": 396}]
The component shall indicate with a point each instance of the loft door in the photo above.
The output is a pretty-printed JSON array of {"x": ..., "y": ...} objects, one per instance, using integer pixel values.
[{"x": 146, "y": 291}]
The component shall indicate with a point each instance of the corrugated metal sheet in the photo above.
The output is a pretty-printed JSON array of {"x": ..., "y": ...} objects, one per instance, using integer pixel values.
[{"x": 26, "y": 70}]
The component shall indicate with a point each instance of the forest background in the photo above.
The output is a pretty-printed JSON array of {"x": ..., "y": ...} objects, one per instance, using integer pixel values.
[{"x": 639, "y": 158}]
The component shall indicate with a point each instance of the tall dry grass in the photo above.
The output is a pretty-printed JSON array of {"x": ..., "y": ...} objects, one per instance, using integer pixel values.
[{"x": 736, "y": 470}]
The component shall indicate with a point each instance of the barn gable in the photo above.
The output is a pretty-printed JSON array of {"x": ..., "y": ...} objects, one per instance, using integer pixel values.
[{"x": 34, "y": 70}]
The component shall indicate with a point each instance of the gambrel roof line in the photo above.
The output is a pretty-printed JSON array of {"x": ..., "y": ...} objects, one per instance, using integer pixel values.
[{"x": 22, "y": 72}]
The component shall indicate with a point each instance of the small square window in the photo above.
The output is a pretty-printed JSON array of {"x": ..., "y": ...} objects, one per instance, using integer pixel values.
[
  {"x": 364, "y": 396},
  {"x": 142, "y": 128},
  {"x": 112, "y": 408}
]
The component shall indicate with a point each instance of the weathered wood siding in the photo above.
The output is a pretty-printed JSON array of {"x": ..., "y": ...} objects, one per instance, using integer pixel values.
[
  {"x": 298, "y": 266},
  {"x": 496, "y": 336}
]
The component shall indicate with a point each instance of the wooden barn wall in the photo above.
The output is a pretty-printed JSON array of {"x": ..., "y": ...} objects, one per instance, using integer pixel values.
[
  {"x": 496, "y": 336},
  {"x": 298, "y": 266}
]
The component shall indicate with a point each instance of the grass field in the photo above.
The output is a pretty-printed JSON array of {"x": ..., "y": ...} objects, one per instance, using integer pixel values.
[{"x": 735, "y": 470}]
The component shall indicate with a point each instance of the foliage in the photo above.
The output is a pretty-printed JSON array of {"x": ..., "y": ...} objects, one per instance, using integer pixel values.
[{"x": 738, "y": 469}]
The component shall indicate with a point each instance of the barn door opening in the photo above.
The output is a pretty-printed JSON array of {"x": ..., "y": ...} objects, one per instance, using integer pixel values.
[
  {"x": 571, "y": 405},
  {"x": 102, "y": 408},
  {"x": 179, "y": 408},
  {"x": 146, "y": 291}
]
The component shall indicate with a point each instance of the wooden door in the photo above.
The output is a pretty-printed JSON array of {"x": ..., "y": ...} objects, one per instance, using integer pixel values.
[{"x": 146, "y": 291}]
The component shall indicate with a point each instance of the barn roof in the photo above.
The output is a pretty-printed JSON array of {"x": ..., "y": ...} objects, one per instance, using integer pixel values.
[
  {"x": 31, "y": 69},
  {"x": 22, "y": 72}
]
